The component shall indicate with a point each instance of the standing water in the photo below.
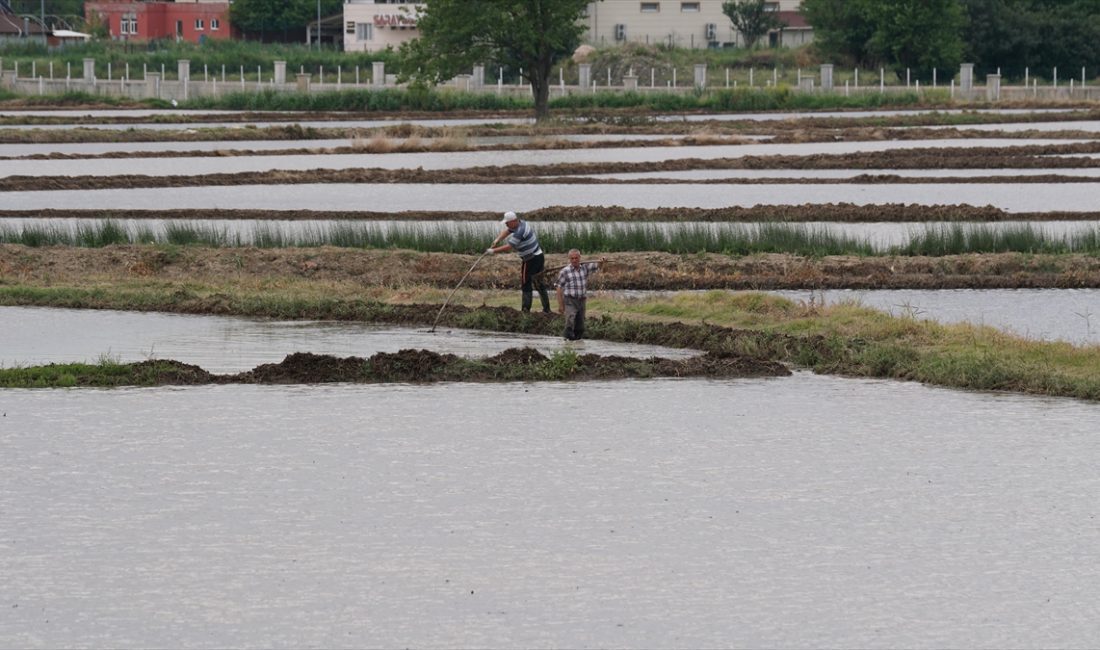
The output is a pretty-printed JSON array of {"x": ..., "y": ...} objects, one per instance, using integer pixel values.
[{"x": 798, "y": 512}]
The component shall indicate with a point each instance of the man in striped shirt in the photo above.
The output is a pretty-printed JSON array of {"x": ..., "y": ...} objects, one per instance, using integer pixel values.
[
  {"x": 521, "y": 238},
  {"x": 572, "y": 293}
]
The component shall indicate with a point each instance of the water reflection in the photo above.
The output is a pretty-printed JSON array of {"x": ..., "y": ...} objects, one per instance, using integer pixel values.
[
  {"x": 221, "y": 344},
  {"x": 798, "y": 512},
  {"x": 396, "y": 197},
  {"x": 1071, "y": 315},
  {"x": 462, "y": 159}
]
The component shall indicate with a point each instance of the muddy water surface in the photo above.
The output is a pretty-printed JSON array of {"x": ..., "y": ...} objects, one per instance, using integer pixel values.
[
  {"x": 462, "y": 159},
  {"x": 1071, "y": 315},
  {"x": 798, "y": 512},
  {"x": 220, "y": 344},
  {"x": 396, "y": 197}
]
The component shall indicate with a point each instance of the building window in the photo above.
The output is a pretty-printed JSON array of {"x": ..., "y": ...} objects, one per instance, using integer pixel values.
[
  {"x": 651, "y": 7},
  {"x": 215, "y": 23},
  {"x": 771, "y": 6},
  {"x": 689, "y": 7},
  {"x": 364, "y": 32},
  {"x": 128, "y": 24},
  {"x": 198, "y": 24}
]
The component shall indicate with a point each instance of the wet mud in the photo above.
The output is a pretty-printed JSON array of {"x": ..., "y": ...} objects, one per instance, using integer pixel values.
[
  {"x": 366, "y": 269},
  {"x": 426, "y": 366},
  {"x": 1025, "y": 157}
]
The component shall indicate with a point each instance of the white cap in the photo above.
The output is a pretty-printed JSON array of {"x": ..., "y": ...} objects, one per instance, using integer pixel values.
[{"x": 508, "y": 216}]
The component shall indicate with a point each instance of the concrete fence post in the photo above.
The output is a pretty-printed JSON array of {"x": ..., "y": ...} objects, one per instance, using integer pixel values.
[
  {"x": 378, "y": 73},
  {"x": 183, "y": 71},
  {"x": 993, "y": 87},
  {"x": 827, "y": 77},
  {"x": 700, "y": 75},
  {"x": 304, "y": 81},
  {"x": 966, "y": 77},
  {"x": 89, "y": 69},
  {"x": 584, "y": 70},
  {"x": 630, "y": 81},
  {"x": 152, "y": 84},
  {"x": 478, "y": 80},
  {"x": 280, "y": 72}
]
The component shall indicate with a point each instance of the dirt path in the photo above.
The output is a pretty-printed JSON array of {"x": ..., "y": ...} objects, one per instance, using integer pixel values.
[{"x": 641, "y": 271}]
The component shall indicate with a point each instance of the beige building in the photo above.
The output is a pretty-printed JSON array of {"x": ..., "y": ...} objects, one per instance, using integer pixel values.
[
  {"x": 371, "y": 25},
  {"x": 684, "y": 23}
]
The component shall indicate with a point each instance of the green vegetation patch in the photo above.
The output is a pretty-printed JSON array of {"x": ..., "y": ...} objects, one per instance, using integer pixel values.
[{"x": 845, "y": 339}]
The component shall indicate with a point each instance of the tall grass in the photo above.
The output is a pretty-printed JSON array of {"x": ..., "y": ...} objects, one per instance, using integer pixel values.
[
  {"x": 688, "y": 238},
  {"x": 441, "y": 100},
  {"x": 389, "y": 99},
  {"x": 957, "y": 239}
]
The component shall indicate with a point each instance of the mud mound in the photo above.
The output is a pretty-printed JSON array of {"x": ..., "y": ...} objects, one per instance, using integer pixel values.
[
  {"x": 409, "y": 365},
  {"x": 710, "y": 365},
  {"x": 171, "y": 372},
  {"x": 517, "y": 356},
  {"x": 304, "y": 368}
]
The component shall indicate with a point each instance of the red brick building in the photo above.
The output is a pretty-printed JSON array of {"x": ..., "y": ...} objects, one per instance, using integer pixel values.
[{"x": 192, "y": 21}]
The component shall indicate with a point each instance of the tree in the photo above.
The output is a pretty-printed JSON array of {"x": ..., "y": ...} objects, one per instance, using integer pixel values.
[
  {"x": 752, "y": 18},
  {"x": 530, "y": 34},
  {"x": 916, "y": 34},
  {"x": 262, "y": 16},
  {"x": 841, "y": 27},
  {"x": 1037, "y": 34}
]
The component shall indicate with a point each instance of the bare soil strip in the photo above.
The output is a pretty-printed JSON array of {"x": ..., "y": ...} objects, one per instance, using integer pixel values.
[
  {"x": 1025, "y": 157},
  {"x": 625, "y": 271}
]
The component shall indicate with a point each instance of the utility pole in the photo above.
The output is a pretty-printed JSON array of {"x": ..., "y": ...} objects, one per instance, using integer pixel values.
[
  {"x": 318, "y": 25},
  {"x": 42, "y": 17}
]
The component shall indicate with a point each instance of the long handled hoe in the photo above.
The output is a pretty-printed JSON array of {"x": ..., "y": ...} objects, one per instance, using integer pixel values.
[{"x": 448, "y": 300}]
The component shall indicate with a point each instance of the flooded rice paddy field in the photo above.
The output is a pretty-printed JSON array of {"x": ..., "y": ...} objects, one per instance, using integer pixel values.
[
  {"x": 398, "y": 197},
  {"x": 1070, "y": 315},
  {"x": 798, "y": 512},
  {"x": 805, "y": 511},
  {"x": 223, "y": 345},
  {"x": 462, "y": 159}
]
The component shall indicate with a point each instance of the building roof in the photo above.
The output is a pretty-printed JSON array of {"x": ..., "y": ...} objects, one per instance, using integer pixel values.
[
  {"x": 11, "y": 24},
  {"x": 794, "y": 20}
]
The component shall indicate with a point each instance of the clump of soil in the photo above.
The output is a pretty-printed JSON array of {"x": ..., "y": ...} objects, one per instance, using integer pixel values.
[
  {"x": 408, "y": 365},
  {"x": 425, "y": 366},
  {"x": 171, "y": 372},
  {"x": 302, "y": 368},
  {"x": 518, "y": 356}
]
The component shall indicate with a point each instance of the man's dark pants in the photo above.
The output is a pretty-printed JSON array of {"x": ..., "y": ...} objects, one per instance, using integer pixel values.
[
  {"x": 530, "y": 273},
  {"x": 574, "y": 317}
]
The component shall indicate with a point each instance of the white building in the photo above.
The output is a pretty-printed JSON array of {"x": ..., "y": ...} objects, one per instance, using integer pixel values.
[
  {"x": 684, "y": 23},
  {"x": 371, "y": 25}
]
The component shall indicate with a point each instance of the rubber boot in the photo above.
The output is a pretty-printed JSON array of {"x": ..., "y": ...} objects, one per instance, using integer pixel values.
[
  {"x": 527, "y": 299},
  {"x": 544, "y": 296}
]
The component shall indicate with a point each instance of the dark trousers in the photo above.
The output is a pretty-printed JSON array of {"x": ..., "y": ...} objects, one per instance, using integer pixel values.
[
  {"x": 531, "y": 275},
  {"x": 574, "y": 317}
]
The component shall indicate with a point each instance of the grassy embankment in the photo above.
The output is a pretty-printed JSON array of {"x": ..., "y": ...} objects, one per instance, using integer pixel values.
[
  {"x": 846, "y": 339},
  {"x": 688, "y": 238}
]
